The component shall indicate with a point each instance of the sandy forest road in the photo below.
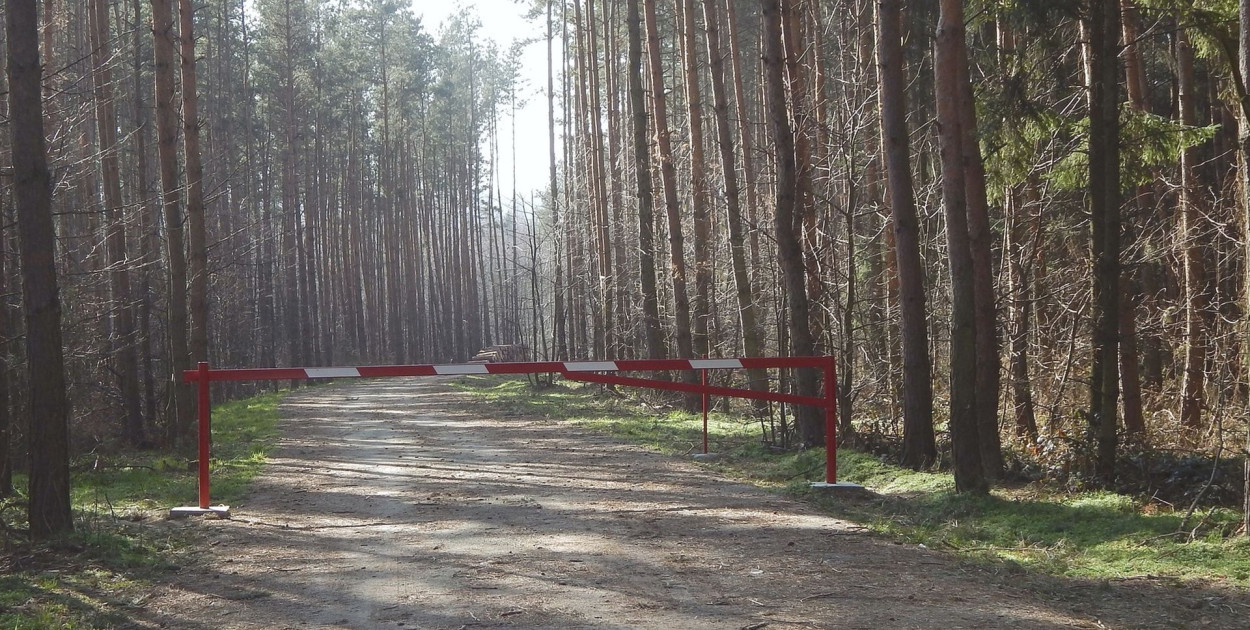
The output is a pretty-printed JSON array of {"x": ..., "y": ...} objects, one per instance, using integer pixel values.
[{"x": 390, "y": 504}]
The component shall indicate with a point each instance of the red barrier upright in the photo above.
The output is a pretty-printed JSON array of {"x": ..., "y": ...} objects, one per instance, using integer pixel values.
[{"x": 585, "y": 371}]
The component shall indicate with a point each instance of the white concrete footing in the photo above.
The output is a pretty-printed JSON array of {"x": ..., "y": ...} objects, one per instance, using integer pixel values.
[
  {"x": 840, "y": 486},
  {"x": 220, "y": 511}
]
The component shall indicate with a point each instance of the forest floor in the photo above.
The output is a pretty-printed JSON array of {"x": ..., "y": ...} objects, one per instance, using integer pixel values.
[{"x": 394, "y": 504}]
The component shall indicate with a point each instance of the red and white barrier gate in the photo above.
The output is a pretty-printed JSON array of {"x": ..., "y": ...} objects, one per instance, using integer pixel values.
[{"x": 584, "y": 371}]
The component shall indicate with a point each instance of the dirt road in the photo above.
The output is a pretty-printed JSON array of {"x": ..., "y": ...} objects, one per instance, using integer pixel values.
[{"x": 389, "y": 504}]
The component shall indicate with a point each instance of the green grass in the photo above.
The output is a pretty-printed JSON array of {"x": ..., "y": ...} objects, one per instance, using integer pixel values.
[
  {"x": 1036, "y": 528},
  {"x": 90, "y": 578}
]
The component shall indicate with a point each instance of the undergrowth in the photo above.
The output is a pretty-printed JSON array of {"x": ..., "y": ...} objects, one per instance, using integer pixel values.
[
  {"x": 100, "y": 575},
  {"x": 1034, "y": 526}
]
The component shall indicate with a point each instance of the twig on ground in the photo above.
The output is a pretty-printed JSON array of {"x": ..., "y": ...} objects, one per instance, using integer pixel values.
[
  {"x": 818, "y": 596},
  {"x": 1215, "y": 469}
]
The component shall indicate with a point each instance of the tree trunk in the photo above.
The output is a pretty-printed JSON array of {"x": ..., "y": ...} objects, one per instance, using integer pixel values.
[
  {"x": 1102, "y": 32},
  {"x": 1020, "y": 290},
  {"x": 642, "y": 179},
  {"x": 558, "y": 334},
  {"x": 668, "y": 173},
  {"x": 196, "y": 231},
  {"x": 1130, "y": 374},
  {"x": 49, "y": 502},
  {"x": 988, "y": 364},
  {"x": 786, "y": 223},
  {"x": 289, "y": 255},
  {"x": 123, "y": 343},
  {"x": 919, "y": 444},
  {"x": 800, "y": 60},
  {"x": 748, "y": 320},
  {"x": 604, "y": 337},
  {"x": 1196, "y": 294},
  {"x": 622, "y": 280},
  {"x": 181, "y": 419},
  {"x": 745, "y": 136},
  {"x": 698, "y": 180},
  {"x": 964, "y": 422},
  {"x": 148, "y": 219},
  {"x": 1243, "y": 67},
  {"x": 6, "y": 354}
]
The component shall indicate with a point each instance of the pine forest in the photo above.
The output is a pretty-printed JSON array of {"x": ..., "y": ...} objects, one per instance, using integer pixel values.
[{"x": 1020, "y": 226}]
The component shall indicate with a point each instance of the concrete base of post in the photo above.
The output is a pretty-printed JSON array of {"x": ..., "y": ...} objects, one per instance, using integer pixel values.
[
  {"x": 839, "y": 487},
  {"x": 220, "y": 511},
  {"x": 706, "y": 457}
]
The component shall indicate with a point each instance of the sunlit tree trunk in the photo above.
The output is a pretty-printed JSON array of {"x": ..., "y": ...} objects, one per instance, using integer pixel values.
[
  {"x": 698, "y": 179},
  {"x": 180, "y": 417},
  {"x": 1021, "y": 292},
  {"x": 668, "y": 175},
  {"x": 799, "y": 55},
  {"x": 605, "y": 316},
  {"x": 745, "y": 137},
  {"x": 988, "y": 363},
  {"x": 558, "y": 333},
  {"x": 148, "y": 220},
  {"x": 123, "y": 342},
  {"x": 645, "y": 190},
  {"x": 1016, "y": 200},
  {"x": 787, "y": 224},
  {"x": 748, "y": 320},
  {"x": 1130, "y": 374},
  {"x": 919, "y": 443},
  {"x": 964, "y": 424},
  {"x": 197, "y": 257},
  {"x": 1196, "y": 292}
]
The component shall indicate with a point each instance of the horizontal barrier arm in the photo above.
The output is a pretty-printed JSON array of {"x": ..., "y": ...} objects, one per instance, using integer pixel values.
[
  {"x": 530, "y": 367},
  {"x": 695, "y": 389}
]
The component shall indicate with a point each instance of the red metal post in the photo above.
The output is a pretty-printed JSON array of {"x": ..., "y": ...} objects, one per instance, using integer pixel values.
[
  {"x": 703, "y": 373},
  {"x": 831, "y": 421},
  {"x": 205, "y": 408}
]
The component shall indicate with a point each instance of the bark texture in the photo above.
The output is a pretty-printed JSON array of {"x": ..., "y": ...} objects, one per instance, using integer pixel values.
[
  {"x": 49, "y": 506},
  {"x": 919, "y": 443}
]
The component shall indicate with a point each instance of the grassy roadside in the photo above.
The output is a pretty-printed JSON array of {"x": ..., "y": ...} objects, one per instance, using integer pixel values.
[
  {"x": 97, "y": 577},
  {"x": 1031, "y": 527}
]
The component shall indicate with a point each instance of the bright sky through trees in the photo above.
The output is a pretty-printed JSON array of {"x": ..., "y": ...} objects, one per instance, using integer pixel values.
[{"x": 504, "y": 22}]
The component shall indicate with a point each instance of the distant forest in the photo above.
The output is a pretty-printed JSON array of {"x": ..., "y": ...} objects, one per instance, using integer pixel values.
[{"x": 1019, "y": 225}]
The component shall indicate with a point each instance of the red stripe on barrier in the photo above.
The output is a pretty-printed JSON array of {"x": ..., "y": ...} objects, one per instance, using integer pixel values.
[
  {"x": 782, "y": 362},
  {"x": 248, "y": 374},
  {"x": 676, "y": 386}
]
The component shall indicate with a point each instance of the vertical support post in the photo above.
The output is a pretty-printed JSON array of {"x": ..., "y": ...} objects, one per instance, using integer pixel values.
[
  {"x": 831, "y": 421},
  {"x": 703, "y": 374},
  {"x": 205, "y": 413}
]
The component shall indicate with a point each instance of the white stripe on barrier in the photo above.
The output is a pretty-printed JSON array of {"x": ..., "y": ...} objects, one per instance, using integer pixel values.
[
  {"x": 708, "y": 364},
  {"x": 473, "y": 368},
  {"x": 333, "y": 372},
  {"x": 591, "y": 366}
]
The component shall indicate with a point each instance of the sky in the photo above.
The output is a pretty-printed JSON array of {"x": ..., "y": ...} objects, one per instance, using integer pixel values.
[{"x": 504, "y": 22}]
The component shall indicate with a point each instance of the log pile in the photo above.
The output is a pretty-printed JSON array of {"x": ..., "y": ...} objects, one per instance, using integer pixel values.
[{"x": 502, "y": 354}]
